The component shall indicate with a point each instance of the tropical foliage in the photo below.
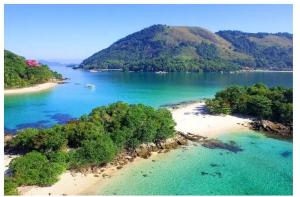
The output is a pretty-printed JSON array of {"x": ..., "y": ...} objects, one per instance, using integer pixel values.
[
  {"x": 17, "y": 74},
  {"x": 275, "y": 104},
  {"x": 93, "y": 139}
]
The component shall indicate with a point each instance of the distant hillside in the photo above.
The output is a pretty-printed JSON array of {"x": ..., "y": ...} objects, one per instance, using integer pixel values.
[
  {"x": 271, "y": 51},
  {"x": 18, "y": 74},
  {"x": 174, "y": 48}
]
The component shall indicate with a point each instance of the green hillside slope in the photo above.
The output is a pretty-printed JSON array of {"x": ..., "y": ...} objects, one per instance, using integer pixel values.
[
  {"x": 176, "y": 48},
  {"x": 17, "y": 74}
]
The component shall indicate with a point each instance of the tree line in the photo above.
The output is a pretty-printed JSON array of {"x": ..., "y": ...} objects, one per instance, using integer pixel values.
[{"x": 275, "y": 104}]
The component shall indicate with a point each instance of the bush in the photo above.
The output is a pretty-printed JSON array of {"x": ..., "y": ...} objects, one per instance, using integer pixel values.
[
  {"x": 23, "y": 140},
  {"x": 259, "y": 106},
  {"x": 35, "y": 169},
  {"x": 43, "y": 140},
  {"x": 216, "y": 106},
  {"x": 10, "y": 186},
  {"x": 94, "y": 152}
]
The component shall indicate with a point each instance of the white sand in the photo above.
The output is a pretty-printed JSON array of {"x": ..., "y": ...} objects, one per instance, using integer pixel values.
[
  {"x": 67, "y": 185},
  {"x": 37, "y": 88},
  {"x": 192, "y": 118},
  {"x": 77, "y": 183}
]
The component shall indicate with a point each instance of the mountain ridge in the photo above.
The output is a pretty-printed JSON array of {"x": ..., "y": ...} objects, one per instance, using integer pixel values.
[{"x": 182, "y": 48}]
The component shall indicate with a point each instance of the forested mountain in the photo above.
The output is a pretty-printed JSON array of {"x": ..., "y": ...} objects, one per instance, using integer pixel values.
[
  {"x": 178, "y": 48},
  {"x": 271, "y": 51},
  {"x": 18, "y": 73}
]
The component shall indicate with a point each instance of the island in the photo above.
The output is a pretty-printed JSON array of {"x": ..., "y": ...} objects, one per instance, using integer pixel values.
[
  {"x": 26, "y": 76},
  {"x": 110, "y": 137},
  {"x": 163, "y": 48}
]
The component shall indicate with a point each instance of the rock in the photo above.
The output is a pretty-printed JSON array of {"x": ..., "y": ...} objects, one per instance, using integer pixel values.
[
  {"x": 95, "y": 170},
  {"x": 73, "y": 174},
  {"x": 96, "y": 175},
  {"x": 119, "y": 167},
  {"x": 104, "y": 175},
  {"x": 273, "y": 128},
  {"x": 128, "y": 157},
  {"x": 192, "y": 137},
  {"x": 8, "y": 137},
  {"x": 143, "y": 151}
]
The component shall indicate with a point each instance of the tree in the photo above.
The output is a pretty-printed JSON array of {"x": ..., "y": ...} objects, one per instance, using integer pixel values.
[
  {"x": 35, "y": 169},
  {"x": 10, "y": 186},
  {"x": 259, "y": 106},
  {"x": 94, "y": 152}
]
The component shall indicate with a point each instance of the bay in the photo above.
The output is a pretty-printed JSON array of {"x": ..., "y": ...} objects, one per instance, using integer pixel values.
[{"x": 73, "y": 99}]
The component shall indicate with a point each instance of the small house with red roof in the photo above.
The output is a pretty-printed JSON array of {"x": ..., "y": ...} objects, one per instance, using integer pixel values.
[{"x": 32, "y": 63}]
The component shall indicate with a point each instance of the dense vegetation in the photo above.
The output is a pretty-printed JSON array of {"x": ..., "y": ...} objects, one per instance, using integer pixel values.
[
  {"x": 17, "y": 74},
  {"x": 271, "y": 51},
  {"x": 167, "y": 48},
  {"x": 275, "y": 104},
  {"x": 93, "y": 139}
]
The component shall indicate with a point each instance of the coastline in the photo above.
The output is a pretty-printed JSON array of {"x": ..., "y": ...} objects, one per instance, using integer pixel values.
[
  {"x": 193, "y": 118},
  {"x": 31, "y": 89},
  {"x": 190, "y": 117},
  {"x": 266, "y": 71}
]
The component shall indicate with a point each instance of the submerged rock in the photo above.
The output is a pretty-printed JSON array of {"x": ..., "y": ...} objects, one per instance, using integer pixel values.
[
  {"x": 217, "y": 144},
  {"x": 286, "y": 153}
]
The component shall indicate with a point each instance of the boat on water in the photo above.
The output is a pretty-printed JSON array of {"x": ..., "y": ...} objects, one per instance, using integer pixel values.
[
  {"x": 161, "y": 72},
  {"x": 94, "y": 71},
  {"x": 89, "y": 85}
]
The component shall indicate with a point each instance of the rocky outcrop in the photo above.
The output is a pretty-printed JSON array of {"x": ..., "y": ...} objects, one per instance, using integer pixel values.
[
  {"x": 145, "y": 150},
  {"x": 273, "y": 128}
]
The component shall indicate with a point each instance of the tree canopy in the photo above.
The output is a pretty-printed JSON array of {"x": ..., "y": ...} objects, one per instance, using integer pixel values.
[
  {"x": 17, "y": 74},
  {"x": 93, "y": 139},
  {"x": 275, "y": 104}
]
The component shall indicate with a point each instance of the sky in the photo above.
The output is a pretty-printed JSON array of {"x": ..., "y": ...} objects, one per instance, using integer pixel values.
[{"x": 71, "y": 33}]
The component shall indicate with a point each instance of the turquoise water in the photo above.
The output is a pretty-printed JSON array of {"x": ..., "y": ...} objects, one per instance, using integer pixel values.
[
  {"x": 73, "y": 99},
  {"x": 264, "y": 167}
]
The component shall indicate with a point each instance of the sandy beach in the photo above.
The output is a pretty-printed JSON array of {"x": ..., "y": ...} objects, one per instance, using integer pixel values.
[
  {"x": 194, "y": 119},
  {"x": 37, "y": 88},
  {"x": 189, "y": 118},
  {"x": 71, "y": 183}
]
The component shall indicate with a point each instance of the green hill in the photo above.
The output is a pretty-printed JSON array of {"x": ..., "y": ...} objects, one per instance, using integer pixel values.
[
  {"x": 271, "y": 51},
  {"x": 18, "y": 74},
  {"x": 176, "y": 48}
]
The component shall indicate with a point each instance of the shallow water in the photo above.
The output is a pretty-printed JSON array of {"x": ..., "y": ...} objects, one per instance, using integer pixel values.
[
  {"x": 260, "y": 169},
  {"x": 74, "y": 99}
]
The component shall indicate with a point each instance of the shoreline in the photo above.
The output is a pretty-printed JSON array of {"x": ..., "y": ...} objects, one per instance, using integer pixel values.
[
  {"x": 193, "y": 118},
  {"x": 190, "y": 117},
  {"x": 31, "y": 89},
  {"x": 266, "y": 71}
]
